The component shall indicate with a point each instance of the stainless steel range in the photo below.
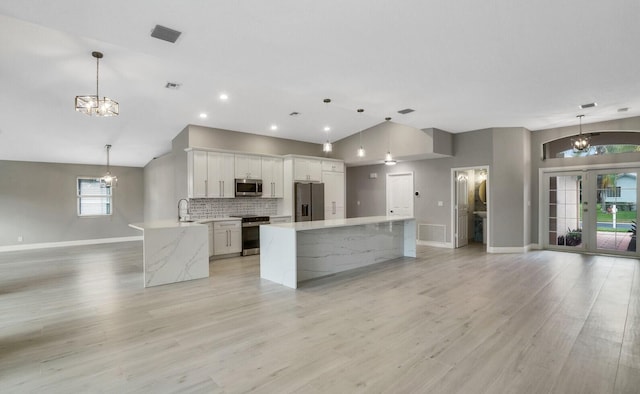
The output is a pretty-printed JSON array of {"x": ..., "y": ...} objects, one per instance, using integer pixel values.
[{"x": 251, "y": 233}]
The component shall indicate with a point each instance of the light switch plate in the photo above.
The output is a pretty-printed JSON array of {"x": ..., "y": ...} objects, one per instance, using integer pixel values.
[{"x": 440, "y": 203}]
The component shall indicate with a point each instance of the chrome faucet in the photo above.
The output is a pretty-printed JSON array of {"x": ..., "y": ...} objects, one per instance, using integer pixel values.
[{"x": 181, "y": 217}]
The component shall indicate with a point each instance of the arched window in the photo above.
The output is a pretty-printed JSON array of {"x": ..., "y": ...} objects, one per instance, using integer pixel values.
[{"x": 602, "y": 143}]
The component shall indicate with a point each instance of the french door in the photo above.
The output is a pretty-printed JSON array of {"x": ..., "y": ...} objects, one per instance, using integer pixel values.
[{"x": 592, "y": 210}]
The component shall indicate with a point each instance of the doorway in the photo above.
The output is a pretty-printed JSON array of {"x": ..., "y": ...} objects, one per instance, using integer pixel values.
[
  {"x": 470, "y": 208},
  {"x": 400, "y": 194},
  {"x": 592, "y": 210}
]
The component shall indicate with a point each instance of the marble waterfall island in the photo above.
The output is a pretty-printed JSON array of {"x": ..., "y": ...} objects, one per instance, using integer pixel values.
[
  {"x": 294, "y": 252},
  {"x": 174, "y": 251}
]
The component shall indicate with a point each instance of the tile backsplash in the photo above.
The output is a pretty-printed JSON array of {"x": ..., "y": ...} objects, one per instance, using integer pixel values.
[{"x": 203, "y": 208}]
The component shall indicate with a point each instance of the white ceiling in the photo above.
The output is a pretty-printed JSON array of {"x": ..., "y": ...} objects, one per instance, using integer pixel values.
[{"x": 462, "y": 65}]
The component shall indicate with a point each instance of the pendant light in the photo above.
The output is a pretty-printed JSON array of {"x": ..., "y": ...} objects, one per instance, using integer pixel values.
[
  {"x": 108, "y": 179},
  {"x": 94, "y": 105},
  {"x": 361, "y": 152},
  {"x": 582, "y": 143},
  {"x": 388, "y": 159},
  {"x": 327, "y": 146}
]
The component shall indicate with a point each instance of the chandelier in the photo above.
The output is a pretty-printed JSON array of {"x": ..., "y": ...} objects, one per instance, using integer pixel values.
[
  {"x": 388, "y": 158},
  {"x": 582, "y": 143},
  {"x": 94, "y": 105},
  {"x": 108, "y": 179}
]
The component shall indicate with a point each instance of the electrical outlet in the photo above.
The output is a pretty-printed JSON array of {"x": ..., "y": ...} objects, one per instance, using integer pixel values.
[
  {"x": 358, "y": 202},
  {"x": 440, "y": 203},
  {"x": 19, "y": 238}
]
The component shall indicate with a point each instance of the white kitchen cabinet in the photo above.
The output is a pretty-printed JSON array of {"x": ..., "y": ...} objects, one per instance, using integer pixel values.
[
  {"x": 280, "y": 219},
  {"x": 248, "y": 167},
  {"x": 227, "y": 237},
  {"x": 334, "y": 195},
  {"x": 305, "y": 169},
  {"x": 272, "y": 177},
  {"x": 210, "y": 174},
  {"x": 333, "y": 165},
  {"x": 220, "y": 175}
]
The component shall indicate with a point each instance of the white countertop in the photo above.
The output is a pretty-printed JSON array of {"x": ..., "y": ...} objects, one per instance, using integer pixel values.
[
  {"x": 225, "y": 219},
  {"x": 163, "y": 224},
  {"x": 323, "y": 224}
]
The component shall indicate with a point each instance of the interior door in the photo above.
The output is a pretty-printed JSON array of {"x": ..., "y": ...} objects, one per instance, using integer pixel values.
[
  {"x": 400, "y": 194},
  {"x": 462, "y": 209}
]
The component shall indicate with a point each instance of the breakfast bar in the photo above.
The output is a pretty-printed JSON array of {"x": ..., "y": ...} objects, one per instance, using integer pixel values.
[{"x": 294, "y": 252}]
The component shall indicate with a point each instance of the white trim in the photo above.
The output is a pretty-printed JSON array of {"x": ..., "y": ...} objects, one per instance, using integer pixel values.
[
  {"x": 43, "y": 245},
  {"x": 536, "y": 246},
  {"x": 447, "y": 245},
  {"x": 511, "y": 249}
]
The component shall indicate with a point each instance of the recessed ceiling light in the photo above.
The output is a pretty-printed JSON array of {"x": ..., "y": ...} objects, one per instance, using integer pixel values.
[
  {"x": 588, "y": 105},
  {"x": 327, "y": 128},
  {"x": 274, "y": 127},
  {"x": 203, "y": 116},
  {"x": 224, "y": 97}
]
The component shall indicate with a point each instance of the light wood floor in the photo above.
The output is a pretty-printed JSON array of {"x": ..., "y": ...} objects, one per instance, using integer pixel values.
[{"x": 451, "y": 321}]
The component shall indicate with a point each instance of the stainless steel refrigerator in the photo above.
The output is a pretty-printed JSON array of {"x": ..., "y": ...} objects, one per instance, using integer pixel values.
[{"x": 309, "y": 201}]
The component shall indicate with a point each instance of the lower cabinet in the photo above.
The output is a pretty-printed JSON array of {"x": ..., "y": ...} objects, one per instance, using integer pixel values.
[{"x": 227, "y": 237}]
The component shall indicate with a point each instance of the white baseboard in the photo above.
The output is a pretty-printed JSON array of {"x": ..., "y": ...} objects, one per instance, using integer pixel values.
[
  {"x": 510, "y": 249},
  {"x": 448, "y": 245},
  {"x": 534, "y": 247},
  {"x": 43, "y": 245}
]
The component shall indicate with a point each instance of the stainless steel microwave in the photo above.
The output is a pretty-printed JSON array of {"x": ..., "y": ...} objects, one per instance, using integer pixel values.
[{"x": 248, "y": 187}]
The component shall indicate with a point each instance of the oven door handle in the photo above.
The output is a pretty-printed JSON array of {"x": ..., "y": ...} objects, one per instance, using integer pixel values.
[{"x": 254, "y": 224}]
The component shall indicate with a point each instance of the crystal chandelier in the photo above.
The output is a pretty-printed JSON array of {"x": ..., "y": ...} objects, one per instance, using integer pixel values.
[
  {"x": 582, "y": 143},
  {"x": 94, "y": 105},
  {"x": 108, "y": 179}
]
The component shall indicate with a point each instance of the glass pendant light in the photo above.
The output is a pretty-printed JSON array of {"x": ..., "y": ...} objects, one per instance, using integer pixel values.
[
  {"x": 361, "y": 152},
  {"x": 327, "y": 146},
  {"x": 388, "y": 158}
]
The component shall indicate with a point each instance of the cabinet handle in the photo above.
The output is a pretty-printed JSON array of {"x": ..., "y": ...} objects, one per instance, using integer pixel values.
[{"x": 228, "y": 237}]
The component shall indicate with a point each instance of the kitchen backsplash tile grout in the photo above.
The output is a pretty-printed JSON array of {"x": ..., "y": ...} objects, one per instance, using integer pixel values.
[{"x": 204, "y": 208}]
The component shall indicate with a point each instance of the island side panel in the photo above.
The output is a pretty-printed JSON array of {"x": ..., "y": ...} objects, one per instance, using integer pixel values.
[
  {"x": 410, "y": 238},
  {"x": 175, "y": 254},
  {"x": 327, "y": 251},
  {"x": 278, "y": 255}
]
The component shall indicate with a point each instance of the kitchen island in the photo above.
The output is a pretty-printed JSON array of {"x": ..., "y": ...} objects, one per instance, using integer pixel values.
[
  {"x": 173, "y": 251},
  {"x": 294, "y": 252}
]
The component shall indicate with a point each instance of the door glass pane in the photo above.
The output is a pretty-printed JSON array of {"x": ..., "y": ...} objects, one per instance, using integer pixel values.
[
  {"x": 565, "y": 210},
  {"x": 616, "y": 211}
]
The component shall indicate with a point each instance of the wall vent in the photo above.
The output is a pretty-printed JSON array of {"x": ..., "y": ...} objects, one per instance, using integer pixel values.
[
  {"x": 432, "y": 232},
  {"x": 165, "y": 34},
  {"x": 406, "y": 111}
]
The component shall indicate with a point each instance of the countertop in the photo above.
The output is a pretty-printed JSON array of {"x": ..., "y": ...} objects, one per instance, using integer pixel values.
[
  {"x": 323, "y": 224},
  {"x": 163, "y": 224}
]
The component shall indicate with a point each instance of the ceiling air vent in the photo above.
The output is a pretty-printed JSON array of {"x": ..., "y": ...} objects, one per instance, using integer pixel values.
[
  {"x": 406, "y": 111},
  {"x": 165, "y": 34},
  {"x": 625, "y": 109},
  {"x": 172, "y": 85},
  {"x": 589, "y": 105},
  {"x": 294, "y": 113}
]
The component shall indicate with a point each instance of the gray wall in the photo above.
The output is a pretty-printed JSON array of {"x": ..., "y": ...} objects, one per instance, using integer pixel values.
[
  {"x": 159, "y": 187},
  {"x": 432, "y": 178},
  {"x": 38, "y": 201},
  {"x": 539, "y": 137}
]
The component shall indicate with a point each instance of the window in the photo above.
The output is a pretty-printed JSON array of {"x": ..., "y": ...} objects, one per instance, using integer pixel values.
[
  {"x": 613, "y": 191},
  {"x": 94, "y": 197}
]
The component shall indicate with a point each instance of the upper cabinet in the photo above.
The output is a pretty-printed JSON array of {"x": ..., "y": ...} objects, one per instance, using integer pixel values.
[
  {"x": 332, "y": 165},
  {"x": 248, "y": 167},
  {"x": 272, "y": 177},
  {"x": 305, "y": 169},
  {"x": 210, "y": 174}
]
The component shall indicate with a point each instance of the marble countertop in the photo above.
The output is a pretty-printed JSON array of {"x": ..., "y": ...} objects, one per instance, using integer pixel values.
[
  {"x": 225, "y": 219},
  {"x": 323, "y": 224},
  {"x": 163, "y": 224}
]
